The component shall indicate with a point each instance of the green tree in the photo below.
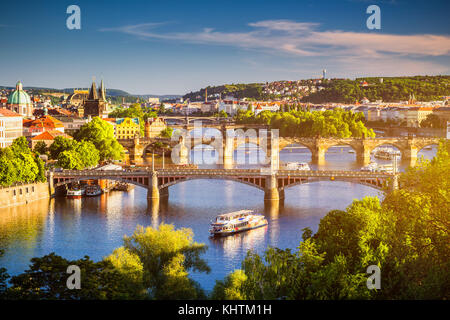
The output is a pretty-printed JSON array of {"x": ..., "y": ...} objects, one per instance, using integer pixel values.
[
  {"x": 167, "y": 255},
  {"x": 59, "y": 145},
  {"x": 41, "y": 148},
  {"x": 46, "y": 279},
  {"x": 101, "y": 134}
]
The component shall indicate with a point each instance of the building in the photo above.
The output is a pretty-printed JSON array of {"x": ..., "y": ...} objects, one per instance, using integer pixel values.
[
  {"x": 35, "y": 127},
  {"x": 10, "y": 127},
  {"x": 153, "y": 100},
  {"x": 96, "y": 105},
  {"x": 48, "y": 137},
  {"x": 19, "y": 101},
  {"x": 415, "y": 115},
  {"x": 127, "y": 128},
  {"x": 154, "y": 126},
  {"x": 72, "y": 124}
]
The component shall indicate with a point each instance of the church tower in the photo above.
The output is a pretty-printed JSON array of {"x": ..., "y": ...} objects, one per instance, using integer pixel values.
[{"x": 95, "y": 104}]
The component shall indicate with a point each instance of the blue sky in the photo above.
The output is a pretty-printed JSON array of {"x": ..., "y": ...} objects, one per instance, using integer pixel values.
[{"x": 173, "y": 47}]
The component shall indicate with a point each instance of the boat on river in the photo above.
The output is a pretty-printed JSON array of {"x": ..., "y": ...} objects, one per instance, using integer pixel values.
[
  {"x": 238, "y": 221},
  {"x": 93, "y": 190},
  {"x": 386, "y": 153},
  {"x": 75, "y": 193}
]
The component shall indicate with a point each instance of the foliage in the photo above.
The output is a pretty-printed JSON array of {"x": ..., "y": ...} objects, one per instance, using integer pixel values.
[
  {"x": 406, "y": 236},
  {"x": 40, "y": 148},
  {"x": 101, "y": 134},
  {"x": 72, "y": 154},
  {"x": 303, "y": 123},
  {"x": 391, "y": 89},
  {"x": 167, "y": 255},
  {"x": 19, "y": 164},
  {"x": 167, "y": 132},
  {"x": 47, "y": 276}
]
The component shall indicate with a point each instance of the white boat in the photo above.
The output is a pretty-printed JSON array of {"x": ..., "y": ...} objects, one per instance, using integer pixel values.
[
  {"x": 386, "y": 153},
  {"x": 75, "y": 193},
  {"x": 238, "y": 221},
  {"x": 93, "y": 190},
  {"x": 371, "y": 167},
  {"x": 351, "y": 151},
  {"x": 296, "y": 166},
  {"x": 428, "y": 148}
]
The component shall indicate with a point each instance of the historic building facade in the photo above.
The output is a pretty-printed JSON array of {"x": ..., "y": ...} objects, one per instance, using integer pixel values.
[
  {"x": 19, "y": 101},
  {"x": 96, "y": 105}
]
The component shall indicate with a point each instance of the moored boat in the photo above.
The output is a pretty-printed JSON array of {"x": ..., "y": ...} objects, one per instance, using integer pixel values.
[
  {"x": 75, "y": 193},
  {"x": 93, "y": 190},
  {"x": 386, "y": 153},
  {"x": 238, "y": 221}
]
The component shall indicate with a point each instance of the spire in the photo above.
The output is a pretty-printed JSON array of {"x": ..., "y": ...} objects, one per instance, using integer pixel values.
[
  {"x": 102, "y": 92},
  {"x": 93, "y": 92}
]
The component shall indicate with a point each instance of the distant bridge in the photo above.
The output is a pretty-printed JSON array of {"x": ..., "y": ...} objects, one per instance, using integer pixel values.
[
  {"x": 408, "y": 146},
  {"x": 272, "y": 183}
]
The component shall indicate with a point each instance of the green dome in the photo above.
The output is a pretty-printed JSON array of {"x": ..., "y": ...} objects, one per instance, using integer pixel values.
[{"x": 19, "y": 96}]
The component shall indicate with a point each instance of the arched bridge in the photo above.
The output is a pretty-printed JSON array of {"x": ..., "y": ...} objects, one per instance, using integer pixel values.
[{"x": 272, "y": 183}]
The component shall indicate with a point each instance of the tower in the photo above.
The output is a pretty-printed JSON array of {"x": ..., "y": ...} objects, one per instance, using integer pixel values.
[
  {"x": 324, "y": 73},
  {"x": 95, "y": 104},
  {"x": 206, "y": 95}
]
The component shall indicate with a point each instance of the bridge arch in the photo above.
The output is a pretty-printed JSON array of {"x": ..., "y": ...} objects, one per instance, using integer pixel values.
[
  {"x": 373, "y": 183},
  {"x": 138, "y": 182},
  {"x": 293, "y": 145},
  {"x": 258, "y": 183}
]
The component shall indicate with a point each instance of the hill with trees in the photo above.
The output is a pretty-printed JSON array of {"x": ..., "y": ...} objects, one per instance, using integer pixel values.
[{"x": 392, "y": 89}]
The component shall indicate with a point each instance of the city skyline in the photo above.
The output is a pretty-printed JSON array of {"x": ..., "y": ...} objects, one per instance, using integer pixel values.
[{"x": 174, "y": 48}]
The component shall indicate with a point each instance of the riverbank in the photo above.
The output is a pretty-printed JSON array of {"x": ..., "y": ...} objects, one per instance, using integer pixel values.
[{"x": 23, "y": 193}]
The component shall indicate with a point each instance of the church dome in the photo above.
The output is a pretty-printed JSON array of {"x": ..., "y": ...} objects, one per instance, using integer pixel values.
[{"x": 19, "y": 96}]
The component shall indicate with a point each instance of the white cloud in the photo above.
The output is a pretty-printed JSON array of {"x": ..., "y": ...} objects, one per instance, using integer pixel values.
[{"x": 303, "y": 39}]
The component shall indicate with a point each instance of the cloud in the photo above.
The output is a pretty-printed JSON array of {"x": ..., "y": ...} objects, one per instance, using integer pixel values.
[{"x": 303, "y": 39}]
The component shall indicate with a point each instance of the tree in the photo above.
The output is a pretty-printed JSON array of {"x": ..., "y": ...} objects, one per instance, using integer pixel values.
[
  {"x": 166, "y": 256},
  {"x": 166, "y": 133},
  {"x": 59, "y": 145},
  {"x": 41, "y": 147},
  {"x": 47, "y": 276},
  {"x": 101, "y": 134},
  {"x": 406, "y": 236}
]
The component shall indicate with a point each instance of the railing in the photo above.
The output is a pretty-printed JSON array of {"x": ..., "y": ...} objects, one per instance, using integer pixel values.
[{"x": 221, "y": 172}]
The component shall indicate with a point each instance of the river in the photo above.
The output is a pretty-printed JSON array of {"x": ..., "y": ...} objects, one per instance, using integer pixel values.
[{"x": 95, "y": 226}]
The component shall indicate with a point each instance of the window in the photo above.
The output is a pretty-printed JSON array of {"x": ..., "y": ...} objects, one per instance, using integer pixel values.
[
  {"x": 14, "y": 192},
  {"x": 32, "y": 189},
  {"x": 26, "y": 189},
  {"x": 20, "y": 191}
]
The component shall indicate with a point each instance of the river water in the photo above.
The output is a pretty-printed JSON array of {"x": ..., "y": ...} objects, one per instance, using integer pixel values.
[{"x": 95, "y": 226}]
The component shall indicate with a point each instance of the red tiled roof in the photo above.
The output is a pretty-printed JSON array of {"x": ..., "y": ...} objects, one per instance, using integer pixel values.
[
  {"x": 50, "y": 135},
  {"x": 8, "y": 113}
]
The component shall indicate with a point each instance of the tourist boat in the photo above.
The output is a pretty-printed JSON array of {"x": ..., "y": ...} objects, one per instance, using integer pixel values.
[
  {"x": 351, "y": 151},
  {"x": 234, "y": 222},
  {"x": 75, "y": 193},
  {"x": 386, "y": 153},
  {"x": 93, "y": 190},
  {"x": 428, "y": 148},
  {"x": 371, "y": 167},
  {"x": 296, "y": 166}
]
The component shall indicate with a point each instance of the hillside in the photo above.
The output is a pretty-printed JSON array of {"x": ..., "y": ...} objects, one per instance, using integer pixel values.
[{"x": 391, "y": 89}]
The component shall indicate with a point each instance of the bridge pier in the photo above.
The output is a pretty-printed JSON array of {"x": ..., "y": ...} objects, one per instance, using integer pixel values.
[
  {"x": 318, "y": 155},
  {"x": 410, "y": 155},
  {"x": 51, "y": 184},
  {"x": 153, "y": 190},
  {"x": 393, "y": 183},
  {"x": 363, "y": 156},
  {"x": 271, "y": 193}
]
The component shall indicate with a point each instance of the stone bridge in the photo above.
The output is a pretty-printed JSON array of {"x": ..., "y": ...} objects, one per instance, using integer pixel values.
[
  {"x": 227, "y": 140},
  {"x": 273, "y": 183}
]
